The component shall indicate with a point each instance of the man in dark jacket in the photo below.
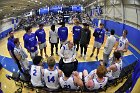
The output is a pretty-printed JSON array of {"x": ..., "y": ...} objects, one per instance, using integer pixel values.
[{"x": 85, "y": 38}]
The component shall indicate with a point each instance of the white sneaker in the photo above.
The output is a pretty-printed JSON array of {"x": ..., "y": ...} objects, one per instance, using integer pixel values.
[{"x": 84, "y": 57}]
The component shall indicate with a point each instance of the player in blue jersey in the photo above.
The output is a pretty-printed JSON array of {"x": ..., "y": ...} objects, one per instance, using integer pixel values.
[
  {"x": 30, "y": 42},
  {"x": 99, "y": 35},
  {"x": 76, "y": 34},
  {"x": 41, "y": 35},
  {"x": 63, "y": 34}
]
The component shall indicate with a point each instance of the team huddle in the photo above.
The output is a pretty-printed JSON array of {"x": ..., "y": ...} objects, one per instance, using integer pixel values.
[{"x": 66, "y": 75}]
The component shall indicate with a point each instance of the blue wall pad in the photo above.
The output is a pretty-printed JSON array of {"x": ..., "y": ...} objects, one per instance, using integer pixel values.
[{"x": 11, "y": 66}]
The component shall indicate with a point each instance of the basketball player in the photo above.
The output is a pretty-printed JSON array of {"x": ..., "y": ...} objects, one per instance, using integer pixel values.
[
  {"x": 85, "y": 39},
  {"x": 53, "y": 39},
  {"x": 114, "y": 70},
  {"x": 70, "y": 80},
  {"x": 110, "y": 43},
  {"x": 10, "y": 47},
  {"x": 63, "y": 34},
  {"x": 30, "y": 42},
  {"x": 76, "y": 34},
  {"x": 51, "y": 74},
  {"x": 123, "y": 43},
  {"x": 36, "y": 72},
  {"x": 41, "y": 35},
  {"x": 95, "y": 79},
  {"x": 21, "y": 55},
  {"x": 99, "y": 35}
]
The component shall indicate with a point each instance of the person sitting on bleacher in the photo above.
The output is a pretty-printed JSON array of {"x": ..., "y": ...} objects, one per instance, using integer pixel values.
[
  {"x": 70, "y": 80},
  {"x": 51, "y": 74},
  {"x": 114, "y": 70},
  {"x": 36, "y": 72},
  {"x": 95, "y": 79}
]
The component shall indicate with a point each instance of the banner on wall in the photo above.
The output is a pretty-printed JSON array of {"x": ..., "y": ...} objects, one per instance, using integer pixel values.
[
  {"x": 16, "y": 20},
  {"x": 43, "y": 11},
  {"x": 76, "y": 8},
  {"x": 55, "y": 9},
  {"x": 13, "y": 21}
]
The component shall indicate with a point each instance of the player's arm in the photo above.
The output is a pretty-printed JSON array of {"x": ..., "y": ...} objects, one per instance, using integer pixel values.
[
  {"x": 117, "y": 44},
  {"x": 61, "y": 52},
  {"x": 78, "y": 81},
  {"x": 126, "y": 47},
  {"x": 112, "y": 67}
]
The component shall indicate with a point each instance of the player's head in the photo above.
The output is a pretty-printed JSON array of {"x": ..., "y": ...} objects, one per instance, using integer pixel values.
[
  {"x": 125, "y": 32},
  {"x": 101, "y": 25},
  {"x": 63, "y": 24},
  {"x": 112, "y": 32},
  {"x": 70, "y": 44},
  {"x": 51, "y": 62},
  {"x": 67, "y": 70},
  {"x": 41, "y": 26},
  {"x": 53, "y": 27},
  {"x": 28, "y": 29},
  {"x": 117, "y": 55},
  {"x": 85, "y": 25},
  {"x": 11, "y": 34},
  {"x": 76, "y": 22},
  {"x": 38, "y": 60},
  {"x": 107, "y": 29},
  {"x": 101, "y": 71},
  {"x": 16, "y": 41}
]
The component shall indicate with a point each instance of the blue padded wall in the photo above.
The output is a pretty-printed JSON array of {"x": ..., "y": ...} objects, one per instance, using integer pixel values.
[{"x": 133, "y": 33}]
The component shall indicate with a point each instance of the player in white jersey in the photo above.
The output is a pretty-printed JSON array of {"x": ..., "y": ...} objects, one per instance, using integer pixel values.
[
  {"x": 115, "y": 69},
  {"x": 123, "y": 43},
  {"x": 36, "y": 72},
  {"x": 96, "y": 79},
  {"x": 51, "y": 74},
  {"x": 70, "y": 80}
]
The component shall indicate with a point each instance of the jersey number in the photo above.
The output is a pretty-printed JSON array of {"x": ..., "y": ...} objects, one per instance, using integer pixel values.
[
  {"x": 34, "y": 72},
  {"x": 51, "y": 79},
  {"x": 120, "y": 44},
  {"x": 67, "y": 86}
]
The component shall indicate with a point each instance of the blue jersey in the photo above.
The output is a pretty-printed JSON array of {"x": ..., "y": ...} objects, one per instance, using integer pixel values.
[
  {"x": 10, "y": 44},
  {"x": 41, "y": 35},
  {"x": 30, "y": 41},
  {"x": 76, "y": 32},
  {"x": 63, "y": 33},
  {"x": 100, "y": 39}
]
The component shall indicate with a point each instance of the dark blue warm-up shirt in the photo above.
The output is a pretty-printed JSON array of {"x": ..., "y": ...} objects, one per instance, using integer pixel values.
[
  {"x": 63, "y": 33},
  {"x": 30, "y": 41},
  {"x": 100, "y": 39},
  {"x": 41, "y": 35},
  {"x": 76, "y": 32}
]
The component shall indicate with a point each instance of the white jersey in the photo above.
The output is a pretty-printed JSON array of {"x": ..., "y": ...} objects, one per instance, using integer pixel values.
[
  {"x": 100, "y": 84},
  {"x": 53, "y": 36},
  {"x": 36, "y": 76},
  {"x": 116, "y": 74},
  {"x": 67, "y": 84},
  {"x": 122, "y": 43},
  {"x": 51, "y": 78}
]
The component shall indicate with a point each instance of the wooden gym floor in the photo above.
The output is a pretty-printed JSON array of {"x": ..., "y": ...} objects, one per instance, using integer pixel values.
[{"x": 8, "y": 86}]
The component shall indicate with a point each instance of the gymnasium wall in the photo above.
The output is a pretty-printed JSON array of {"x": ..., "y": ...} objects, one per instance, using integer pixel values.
[
  {"x": 133, "y": 33},
  {"x": 6, "y": 26}
]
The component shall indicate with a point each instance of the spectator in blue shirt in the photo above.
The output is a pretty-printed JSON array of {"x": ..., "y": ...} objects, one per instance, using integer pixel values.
[
  {"x": 76, "y": 34},
  {"x": 30, "y": 42},
  {"x": 41, "y": 35},
  {"x": 99, "y": 35},
  {"x": 10, "y": 47},
  {"x": 63, "y": 34}
]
